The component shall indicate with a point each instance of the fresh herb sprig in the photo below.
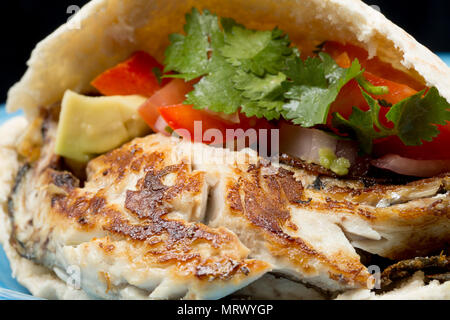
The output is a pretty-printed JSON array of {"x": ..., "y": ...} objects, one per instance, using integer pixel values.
[
  {"x": 414, "y": 120},
  {"x": 260, "y": 74}
]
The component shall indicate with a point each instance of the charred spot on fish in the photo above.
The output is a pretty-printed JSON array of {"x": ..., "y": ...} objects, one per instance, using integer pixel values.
[
  {"x": 292, "y": 189},
  {"x": 262, "y": 211},
  {"x": 80, "y": 206},
  {"x": 145, "y": 203},
  {"x": 245, "y": 270},
  {"x": 223, "y": 270},
  {"x": 64, "y": 179},
  {"x": 83, "y": 220},
  {"x": 442, "y": 189},
  {"x": 304, "y": 201},
  {"x": 234, "y": 198},
  {"x": 177, "y": 232},
  {"x": 153, "y": 182},
  {"x": 120, "y": 161},
  {"x": 17, "y": 182},
  {"x": 152, "y": 197},
  {"x": 340, "y": 278},
  {"x": 96, "y": 204},
  {"x": 318, "y": 184},
  {"x": 55, "y": 199},
  {"x": 19, "y": 177},
  {"x": 20, "y": 246}
]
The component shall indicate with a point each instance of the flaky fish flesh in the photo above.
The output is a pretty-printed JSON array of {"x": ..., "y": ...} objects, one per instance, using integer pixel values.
[{"x": 168, "y": 219}]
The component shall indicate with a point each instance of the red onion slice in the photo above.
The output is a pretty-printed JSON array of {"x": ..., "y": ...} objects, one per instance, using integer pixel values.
[
  {"x": 412, "y": 167},
  {"x": 305, "y": 143}
]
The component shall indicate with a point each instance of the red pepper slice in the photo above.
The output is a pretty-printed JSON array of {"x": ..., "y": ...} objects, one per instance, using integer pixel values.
[{"x": 137, "y": 75}]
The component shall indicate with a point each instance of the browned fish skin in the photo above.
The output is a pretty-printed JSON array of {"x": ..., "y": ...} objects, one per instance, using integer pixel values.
[
  {"x": 206, "y": 262},
  {"x": 153, "y": 216},
  {"x": 434, "y": 268},
  {"x": 264, "y": 201},
  {"x": 413, "y": 219}
]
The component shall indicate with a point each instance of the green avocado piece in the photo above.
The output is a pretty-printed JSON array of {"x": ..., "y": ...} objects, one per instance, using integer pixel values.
[
  {"x": 329, "y": 160},
  {"x": 89, "y": 126}
]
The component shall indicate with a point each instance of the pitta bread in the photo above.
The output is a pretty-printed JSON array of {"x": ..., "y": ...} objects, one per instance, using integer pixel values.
[{"x": 105, "y": 32}]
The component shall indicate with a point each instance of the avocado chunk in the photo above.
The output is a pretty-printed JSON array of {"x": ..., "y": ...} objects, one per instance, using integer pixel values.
[{"x": 90, "y": 126}]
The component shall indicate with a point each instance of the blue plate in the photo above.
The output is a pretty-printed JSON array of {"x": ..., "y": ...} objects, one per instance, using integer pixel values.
[{"x": 10, "y": 289}]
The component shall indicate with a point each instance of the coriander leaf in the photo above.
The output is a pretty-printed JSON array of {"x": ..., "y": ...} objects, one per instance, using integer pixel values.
[
  {"x": 416, "y": 117},
  {"x": 262, "y": 109},
  {"x": 370, "y": 88},
  {"x": 261, "y": 96},
  {"x": 364, "y": 125},
  {"x": 256, "y": 88},
  {"x": 315, "y": 84},
  {"x": 198, "y": 54},
  {"x": 253, "y": 50},
  {"x": 158, "y": 74},
  {"x": 216, "y": 90},
  {"x": 188, "y": 54},
  {"x": 358, "y": 126}
]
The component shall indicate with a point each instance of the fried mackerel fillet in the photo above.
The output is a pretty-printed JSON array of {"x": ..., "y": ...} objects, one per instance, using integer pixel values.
[{"x": 171, "y": 219}]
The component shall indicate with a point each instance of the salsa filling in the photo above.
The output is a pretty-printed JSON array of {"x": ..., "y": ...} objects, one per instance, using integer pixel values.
[{"x": 228, "y": 77}]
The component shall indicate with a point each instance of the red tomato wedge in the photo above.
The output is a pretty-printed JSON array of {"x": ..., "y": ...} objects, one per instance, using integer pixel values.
[
  {"x": 350, "y": 96},
  {"x": 133, "y": 76},
  {"x": 171, "y": 94},
  {"x": 202, "y": 126},
  {"x": 437, "y": 149},
  {"x": 166, "y": 108},
  {"x": 374, "y": 65},
  {"x": 376, "y": 74}
]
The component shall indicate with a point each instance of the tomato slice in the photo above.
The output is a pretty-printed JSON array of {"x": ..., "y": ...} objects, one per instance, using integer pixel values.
[
  {"x": 172, "y": 93},
  {"x": 373, "y": 65},
  {"x": 184, "y": 118},
  {"x": 202, "y": 126},
  {"x": 351, "y": 96},
  {"x": 400, "y": 86},
  {"x": 133, "y": 76},
  {"x": 437, "y": 149}
]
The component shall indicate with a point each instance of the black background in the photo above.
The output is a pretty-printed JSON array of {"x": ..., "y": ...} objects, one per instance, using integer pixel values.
[{"x": 25, "y": 22}]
